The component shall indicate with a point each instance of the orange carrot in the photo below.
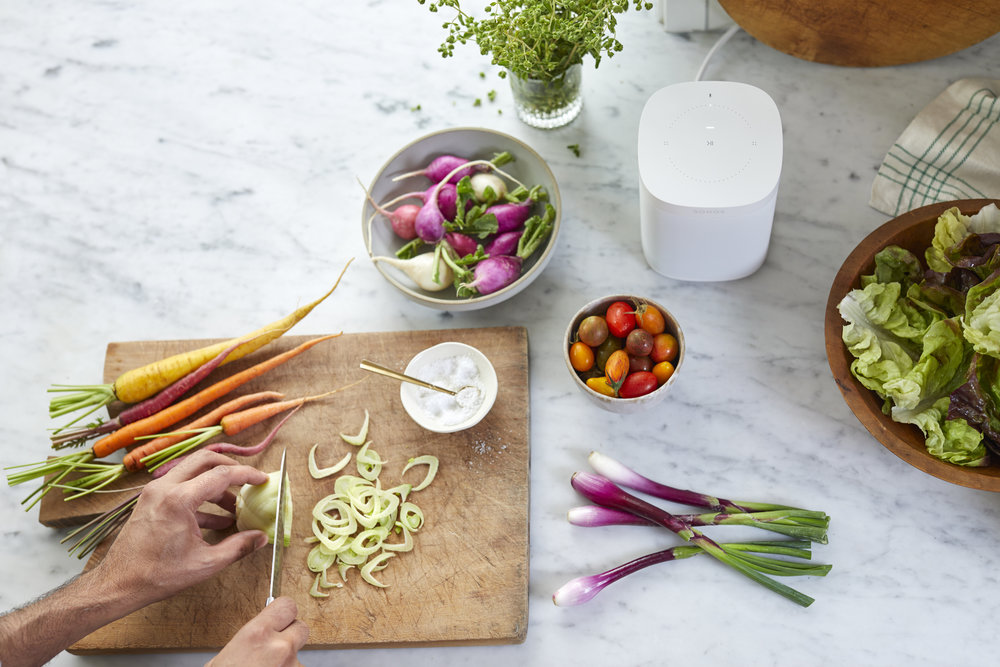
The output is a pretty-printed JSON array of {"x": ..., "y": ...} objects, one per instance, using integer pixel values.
[
  {"x": 133, "y": 458},
  {"x": 238, "y": 421},
  {"x": 166, "y": 418}
]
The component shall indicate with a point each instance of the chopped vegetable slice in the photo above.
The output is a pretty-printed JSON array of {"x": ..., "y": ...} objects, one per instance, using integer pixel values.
[
  {"x": 432, "y": 467},
  {"x": 320, "y": 473},
  {"x": 359, "y": 439}
]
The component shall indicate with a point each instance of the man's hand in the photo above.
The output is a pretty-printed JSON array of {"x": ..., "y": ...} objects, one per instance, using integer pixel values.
[
  {"x": 160, "y": 551},
  {"x": 272, "y": 638}
]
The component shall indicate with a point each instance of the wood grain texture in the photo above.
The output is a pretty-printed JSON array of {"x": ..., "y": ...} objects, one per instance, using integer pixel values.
[
  {"x": 466, "y": 581},
  {"x": 859, "y": 33},
  {"x": 913, "y": 231}
]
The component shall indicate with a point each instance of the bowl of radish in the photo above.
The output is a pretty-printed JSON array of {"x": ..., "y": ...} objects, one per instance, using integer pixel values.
[
  {"x": 462, "y": 219},
  {"x": 624, "y": 352}
]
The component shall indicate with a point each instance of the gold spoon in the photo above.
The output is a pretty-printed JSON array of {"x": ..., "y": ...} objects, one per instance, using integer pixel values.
[{"x": 382, "y": 370}]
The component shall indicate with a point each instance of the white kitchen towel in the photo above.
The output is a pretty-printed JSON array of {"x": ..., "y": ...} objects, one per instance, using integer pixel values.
[{"x": 951, "y": 150}]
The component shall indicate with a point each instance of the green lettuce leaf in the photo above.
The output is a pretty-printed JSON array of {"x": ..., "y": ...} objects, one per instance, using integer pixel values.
[
  {"x": 950, "y": 229},
  {"x": 884, "y": 333},
  {"x": 940, "y": 370},
  {"x": 952, "y": 440},
  {"x": 982, "y": 316}
]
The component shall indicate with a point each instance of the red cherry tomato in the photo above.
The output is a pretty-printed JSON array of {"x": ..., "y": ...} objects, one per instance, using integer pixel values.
[
  {"x": 665, "y": 348},
  {"x": 620, "y": 318},
  {"x": 638, "y": 384}
]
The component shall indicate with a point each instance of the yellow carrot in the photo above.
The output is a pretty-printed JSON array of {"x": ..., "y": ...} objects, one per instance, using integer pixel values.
[{"x": 140, "y": 383}]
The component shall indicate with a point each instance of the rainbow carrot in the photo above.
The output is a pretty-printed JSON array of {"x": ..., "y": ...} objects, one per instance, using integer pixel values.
[
  {"x": 164, "y": 419},
  {"x": 141, "y": 383},
  {"x": 132, "y": 460}
]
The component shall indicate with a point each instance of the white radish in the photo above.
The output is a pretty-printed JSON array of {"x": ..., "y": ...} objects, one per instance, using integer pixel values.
[
  {"x": 481, "y": 181},
  {"x": 420, "y": 270}
]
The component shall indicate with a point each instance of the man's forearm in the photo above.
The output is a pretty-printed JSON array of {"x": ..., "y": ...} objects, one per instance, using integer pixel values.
[{"x": 35, "y": 633}]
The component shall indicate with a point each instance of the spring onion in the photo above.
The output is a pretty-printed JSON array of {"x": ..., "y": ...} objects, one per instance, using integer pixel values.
[
  {"x": 583, "y": 589},
  {"x": 602, "y": 491}
]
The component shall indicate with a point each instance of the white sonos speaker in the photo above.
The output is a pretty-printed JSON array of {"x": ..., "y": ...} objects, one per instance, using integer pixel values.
[{"x": 709, "y": 164}]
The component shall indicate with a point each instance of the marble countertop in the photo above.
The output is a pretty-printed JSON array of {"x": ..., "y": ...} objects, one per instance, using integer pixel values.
[{"x": 176, "y": 170}]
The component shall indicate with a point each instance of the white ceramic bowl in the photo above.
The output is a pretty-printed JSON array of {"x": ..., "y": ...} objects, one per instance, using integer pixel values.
[
  {"x": 611, "y": 403},
  {"x": 418, "y": 401},
  {"x": 474, "y": 143}
]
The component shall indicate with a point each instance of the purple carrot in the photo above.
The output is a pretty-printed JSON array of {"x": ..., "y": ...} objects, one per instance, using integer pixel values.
[
  {"x": 504, "y": 244},
  {"x": 147, "y": 407},
  {"x": 228, "y": 448},
  {"x": 440, "y": 168}
]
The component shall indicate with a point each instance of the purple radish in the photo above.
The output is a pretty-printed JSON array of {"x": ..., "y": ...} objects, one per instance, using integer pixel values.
[
  {"x": 504, "y": 244},
  {"x": 463, "y": 243},
  {"x": 495, "y": 273},
  {"x": 447, "y": 199},
  {"x": 429, "y": 223},
  {"x": 510, "y": 216},
  {"x": 439, "y": 169},
  {"x": 402, "y": 218}
]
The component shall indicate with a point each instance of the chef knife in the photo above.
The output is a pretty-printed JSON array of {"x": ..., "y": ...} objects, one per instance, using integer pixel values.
[{"x": 279, "y": 534}]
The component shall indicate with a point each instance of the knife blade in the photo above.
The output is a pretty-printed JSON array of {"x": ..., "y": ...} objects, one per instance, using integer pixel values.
[{"x": 279, "y": 534}]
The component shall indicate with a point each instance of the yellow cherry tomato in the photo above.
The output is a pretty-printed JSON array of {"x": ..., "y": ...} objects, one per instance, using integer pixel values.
[
  {"x": 601, "y": 386},
  {"x": 581, "y": 356},
  {"x": 663, "y": 371}
]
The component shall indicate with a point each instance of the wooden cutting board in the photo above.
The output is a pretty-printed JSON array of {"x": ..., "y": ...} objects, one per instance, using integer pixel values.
[
  {"x": 465, "y": 582},
  {"x": 861, "y": 33}
]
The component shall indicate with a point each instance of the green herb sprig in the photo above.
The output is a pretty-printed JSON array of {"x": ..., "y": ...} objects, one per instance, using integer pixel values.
[{"x": 537, "y": 39}]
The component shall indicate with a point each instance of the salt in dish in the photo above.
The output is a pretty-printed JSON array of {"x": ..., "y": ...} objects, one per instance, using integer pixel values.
[{"x": 457, "y": 367}]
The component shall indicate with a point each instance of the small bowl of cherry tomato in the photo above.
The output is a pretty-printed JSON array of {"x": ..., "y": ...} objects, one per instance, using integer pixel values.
[{"x": 624, "y": 352}]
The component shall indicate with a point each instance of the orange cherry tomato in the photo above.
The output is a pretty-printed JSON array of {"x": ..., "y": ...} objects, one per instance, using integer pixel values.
[
  {"x": 581, "y": 356},
  {"x": 663, "y": 371},
  {"x": 649, "y": 318},
  {"x": 601, "y": 386},
  {"x": 665, "y": 348},
  {"x": 616, "y": 368}
]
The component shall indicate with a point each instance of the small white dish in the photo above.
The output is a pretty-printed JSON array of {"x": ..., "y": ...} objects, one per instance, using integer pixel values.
[{"x": 423, "y": 404}]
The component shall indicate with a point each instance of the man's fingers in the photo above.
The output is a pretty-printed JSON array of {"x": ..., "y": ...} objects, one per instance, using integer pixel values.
[
  {"x": 213, "y": 521},
  {"x": 194, "y": 464},
  {"x": 236, "y": 546},
  {"x": 297, "y": 632},
  {"x": 227, "y": 501},
  {"x": 280, "y": 614},
  {"x": 213, "y": 482}
]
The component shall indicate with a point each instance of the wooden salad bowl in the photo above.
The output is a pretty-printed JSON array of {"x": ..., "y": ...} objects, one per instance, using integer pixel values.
[{"x": 913, "y": 231}]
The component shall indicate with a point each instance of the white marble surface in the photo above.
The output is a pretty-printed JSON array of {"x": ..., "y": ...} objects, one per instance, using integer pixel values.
[{"x": 183, "y": 169}]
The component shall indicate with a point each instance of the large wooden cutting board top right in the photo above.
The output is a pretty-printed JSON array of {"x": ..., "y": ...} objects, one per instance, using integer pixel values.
[
  {"x": 866, "y": 33},
  {"x": 466, "y": 582}
]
